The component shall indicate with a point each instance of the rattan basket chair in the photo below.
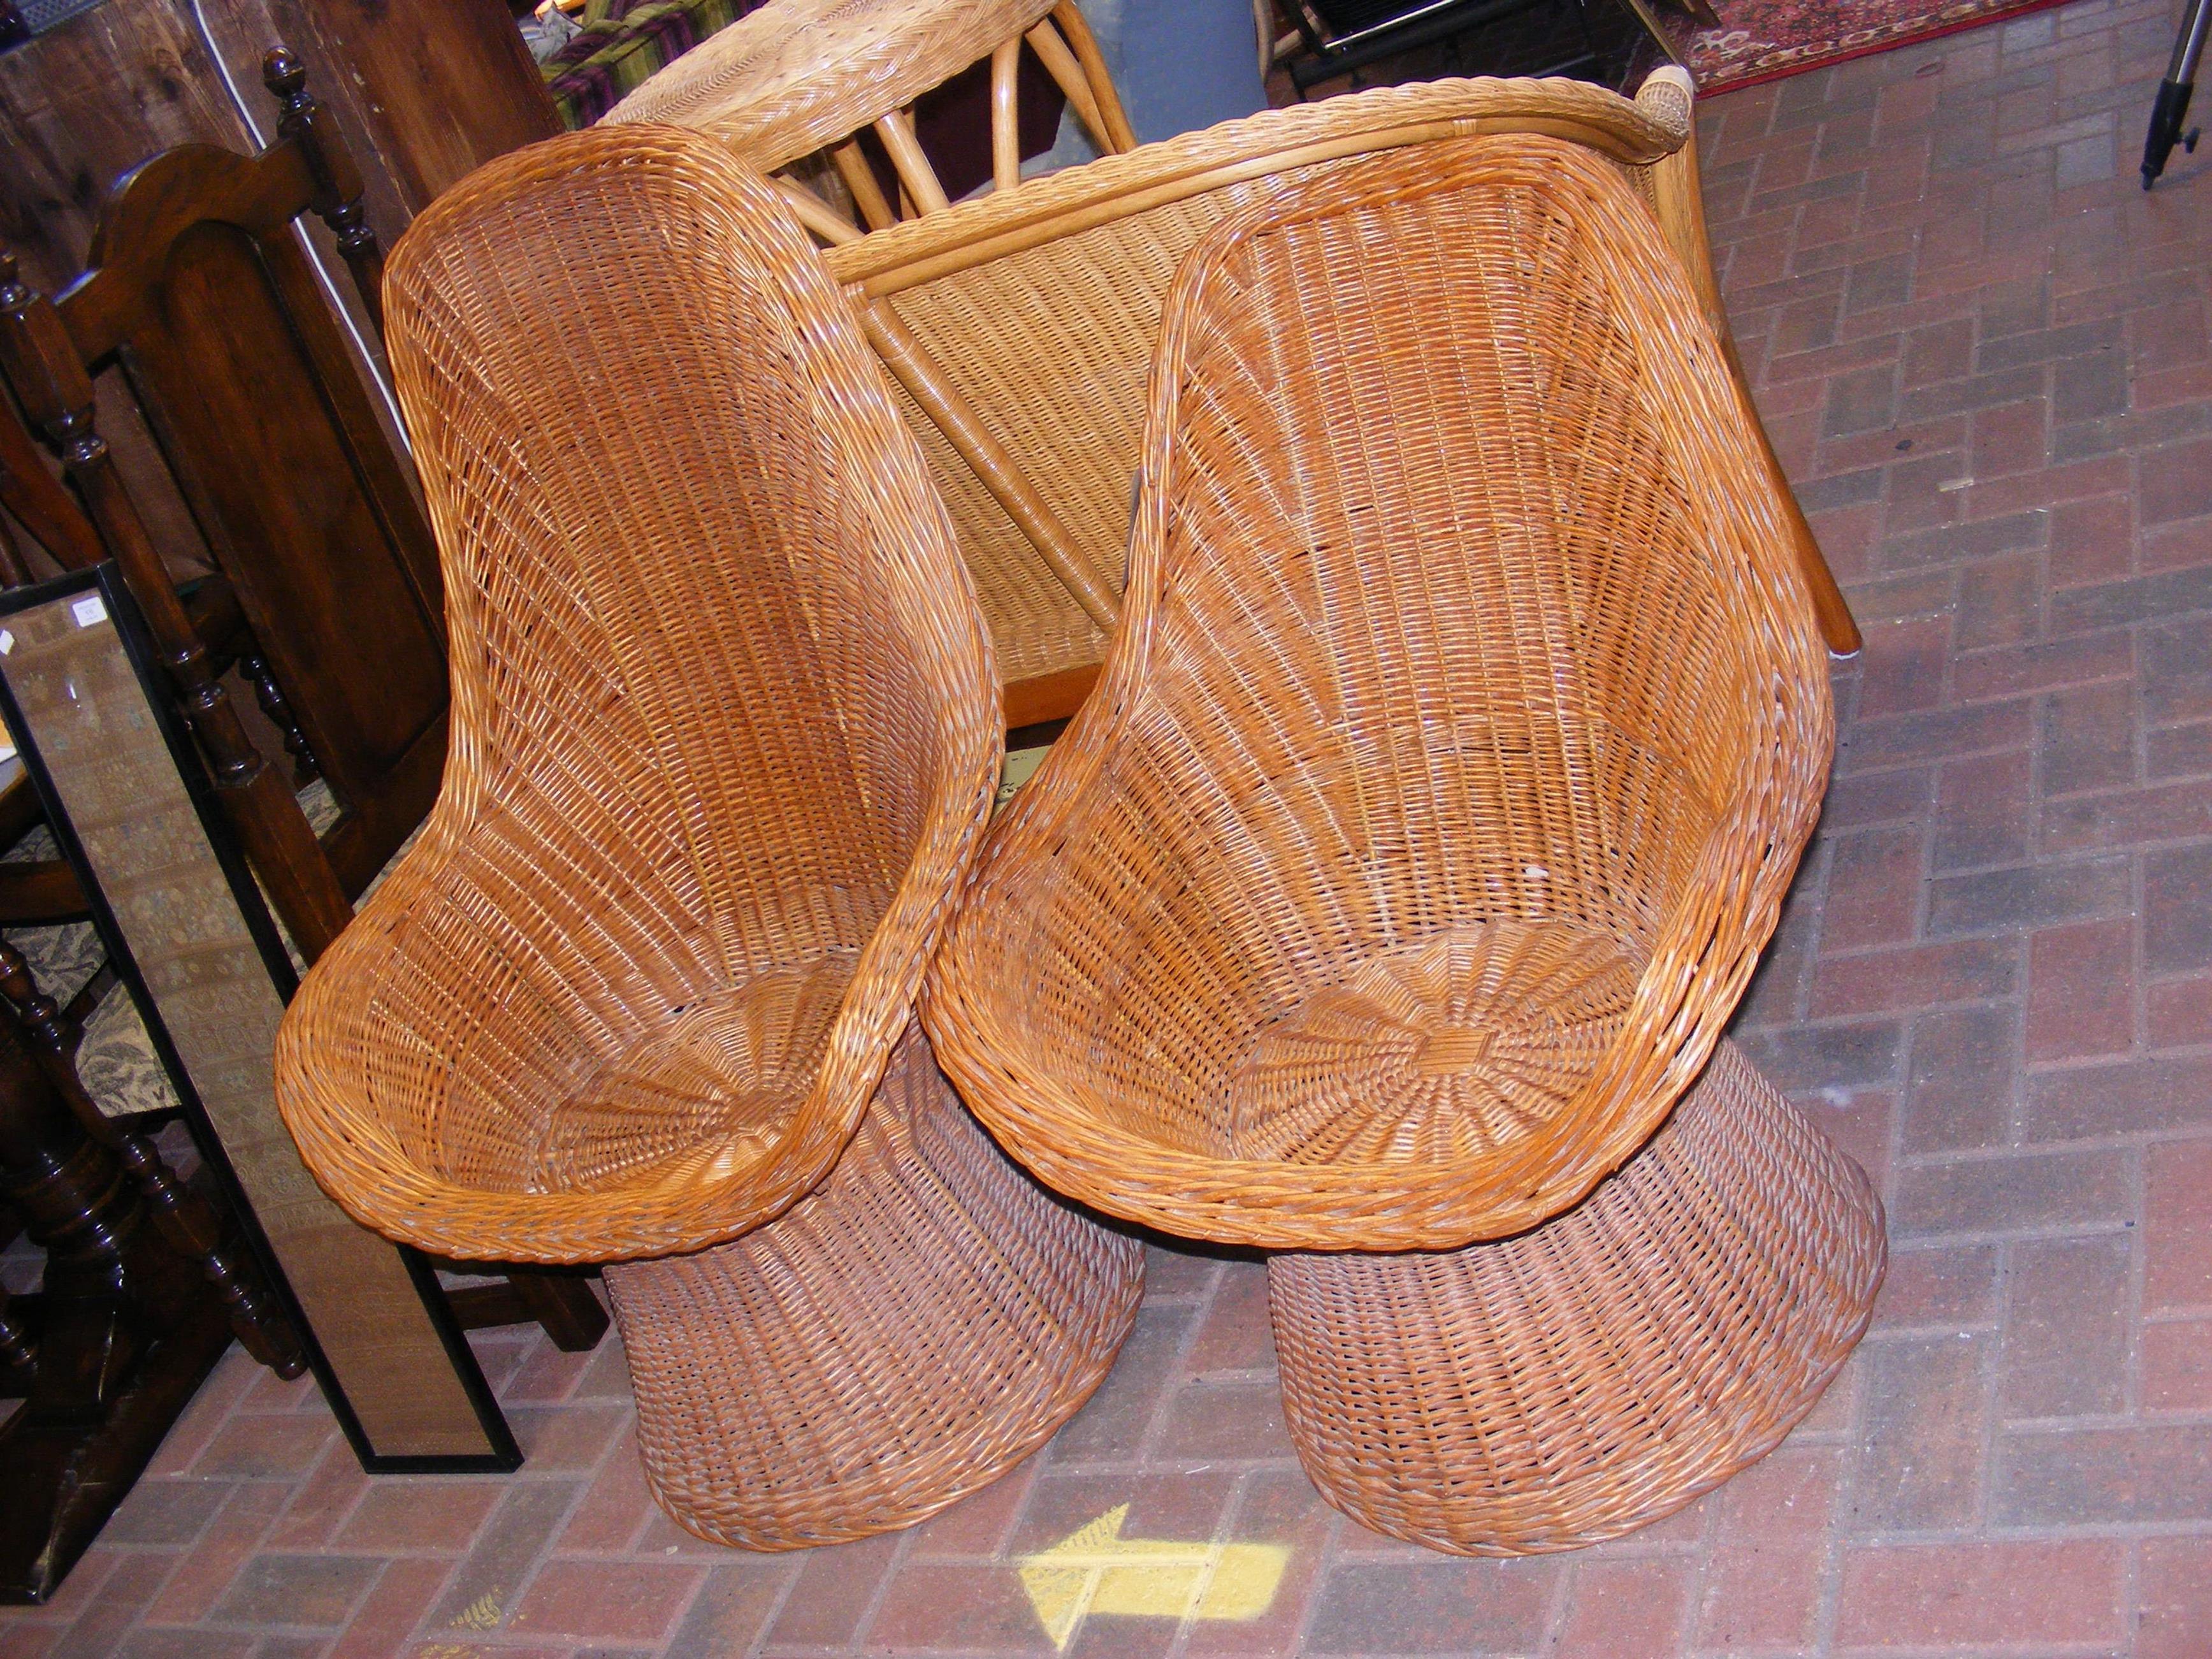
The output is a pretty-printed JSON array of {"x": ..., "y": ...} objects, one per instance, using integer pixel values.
[
  {"x": 1021, "y": 325},
  {"x": 1462, "y": 733},
  {"x": 723, "y": 733},
  {"x": 724, "y": 739}
]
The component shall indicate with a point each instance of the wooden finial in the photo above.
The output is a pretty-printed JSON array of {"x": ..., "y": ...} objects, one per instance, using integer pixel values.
[{"x": 283, "y": 74}]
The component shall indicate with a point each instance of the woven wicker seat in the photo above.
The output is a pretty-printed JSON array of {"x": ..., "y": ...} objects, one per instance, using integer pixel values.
[
  {"x": 1458, "y": 742},
  {"x": 1599, "y": 1371},
  {"x": 723, "y": 729}
]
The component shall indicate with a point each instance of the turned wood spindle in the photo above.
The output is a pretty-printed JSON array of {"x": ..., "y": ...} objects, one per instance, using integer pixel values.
[
  {"x": 126, "y": 1331},
  {"x": 182, "y": 1216},
  {"x": 278, "y": 707},
  {"x": 186, "y": 1221},
  {"x": 307, "y": 122},
  {"x": 15, "y": 1344},
  {"x": 50, "y": 380}
]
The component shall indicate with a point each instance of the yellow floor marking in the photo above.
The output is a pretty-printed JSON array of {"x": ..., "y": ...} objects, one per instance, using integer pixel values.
[
  {"x": 482, "y": 1614},
  {"x": 1094, "y": 1570}
]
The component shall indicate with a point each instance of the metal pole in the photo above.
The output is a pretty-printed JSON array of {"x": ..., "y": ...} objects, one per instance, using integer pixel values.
[{"x": 2167, "y": 114}]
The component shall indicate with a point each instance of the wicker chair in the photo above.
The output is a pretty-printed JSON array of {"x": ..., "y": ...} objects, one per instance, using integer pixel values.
[
  {"x": 1439, "y": 792},
  {"x": 1021, "y": 325},
  {"x": 722, "y": 729},
  {"x": 1450, "y": 769},
  {"x": 724, "y": 740}
]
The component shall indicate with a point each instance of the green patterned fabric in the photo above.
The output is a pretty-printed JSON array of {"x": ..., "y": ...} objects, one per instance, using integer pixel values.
[{"x": 622, "y": 43}]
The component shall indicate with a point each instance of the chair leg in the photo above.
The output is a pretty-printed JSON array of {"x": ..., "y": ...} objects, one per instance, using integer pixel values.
[
  {"x": 1838, "y": 626},
  {"x": 1680, "y": 204},
  {"x": 563, "y": 1305}
]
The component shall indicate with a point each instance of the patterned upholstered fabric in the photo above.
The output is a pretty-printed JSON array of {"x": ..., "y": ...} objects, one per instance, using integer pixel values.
[
  {"x": 623, "y": 41},
  {"x": 115, "y": 1058}
]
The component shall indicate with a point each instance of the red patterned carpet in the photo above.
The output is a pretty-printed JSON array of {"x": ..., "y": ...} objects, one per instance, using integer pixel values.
[{"x": 1766, "y": 40}]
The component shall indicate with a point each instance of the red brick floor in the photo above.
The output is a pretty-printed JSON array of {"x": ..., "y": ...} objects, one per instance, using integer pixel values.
[{"x": 1984, "y": 352}]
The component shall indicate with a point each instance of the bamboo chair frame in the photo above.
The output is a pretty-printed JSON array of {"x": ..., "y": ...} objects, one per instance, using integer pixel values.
[
  {"x": 1020, "y": 326},
  {"x": 801, "y": 79}
]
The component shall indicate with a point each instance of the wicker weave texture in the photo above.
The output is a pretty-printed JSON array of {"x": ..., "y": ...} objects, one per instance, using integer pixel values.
[
  {"x": 800, "y": 74},
  {"x": 901, "y": 1336},
  {"x": 1594, "y": 1374},
  {"x": 724, "y": 727},
  {"x": 1043, "y": 305},
  {"x": 1464, "y": 728}
]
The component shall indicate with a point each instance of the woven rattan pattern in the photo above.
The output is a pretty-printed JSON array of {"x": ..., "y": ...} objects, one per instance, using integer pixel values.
[
  {"x": 724, "y": 726},
  {"x": 899, "y": 1338},
  {"x": 800, "y": 74},
  {"x": 1043, "y": 305},
  {"x": 1458, "y": 599},
  {"x": 1596, "y": 1373}
]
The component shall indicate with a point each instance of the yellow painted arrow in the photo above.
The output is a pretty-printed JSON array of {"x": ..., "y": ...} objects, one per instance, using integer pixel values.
[{"x": 1094, "y": 1570}]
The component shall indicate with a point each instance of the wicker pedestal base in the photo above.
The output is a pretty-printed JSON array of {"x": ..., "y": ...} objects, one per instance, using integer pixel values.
[
  {"x": 901, "y": 1336},
  {"x": 1599, "y": 1371}
]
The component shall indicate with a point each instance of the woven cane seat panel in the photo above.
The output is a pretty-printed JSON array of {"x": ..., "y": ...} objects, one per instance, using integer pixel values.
[
  {"x": 714, "y": 1084},
  {"x": 1601, "y": 1370}
]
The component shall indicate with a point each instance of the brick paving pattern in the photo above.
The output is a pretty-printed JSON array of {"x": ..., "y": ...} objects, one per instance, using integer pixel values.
[{"x": 1984, "y": 353}]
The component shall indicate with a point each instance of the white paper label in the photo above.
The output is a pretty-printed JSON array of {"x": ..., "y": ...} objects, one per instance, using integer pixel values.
[{"x": 89, "y": 610}]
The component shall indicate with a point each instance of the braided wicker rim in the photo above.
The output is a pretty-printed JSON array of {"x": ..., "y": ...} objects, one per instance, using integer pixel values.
[
  {"x": 978, "y": 1006},
  {"x": 440, "y": 277},
  {"x": 1073, "y": 199},
  {"x": 780, "y": 82}
]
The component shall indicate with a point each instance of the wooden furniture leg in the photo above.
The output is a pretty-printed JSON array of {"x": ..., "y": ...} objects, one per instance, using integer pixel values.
[
  {"x": 120, "y": 1338},
  {"x": 1681, "y": 205},
  {"x": 187, "y": 1220},
  {"x": 561, "y": 1302}
]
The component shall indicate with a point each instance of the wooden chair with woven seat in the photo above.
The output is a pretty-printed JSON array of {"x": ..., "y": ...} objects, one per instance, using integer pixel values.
[
  {"x": 724, "y": 738},
  {"x": 1020, "y": 325},
  {"x": 1441, "y": 788}
]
